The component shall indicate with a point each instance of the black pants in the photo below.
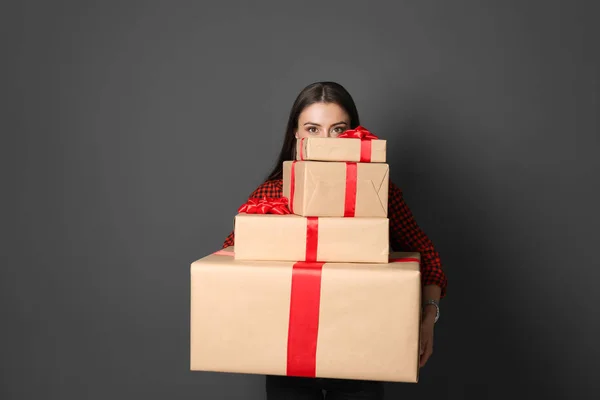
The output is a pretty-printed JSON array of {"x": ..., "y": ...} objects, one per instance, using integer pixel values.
[{"x": 295, "y": 388}]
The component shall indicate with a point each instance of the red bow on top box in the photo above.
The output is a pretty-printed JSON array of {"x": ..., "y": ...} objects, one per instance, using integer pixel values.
[{"x": 356, "y": 145}]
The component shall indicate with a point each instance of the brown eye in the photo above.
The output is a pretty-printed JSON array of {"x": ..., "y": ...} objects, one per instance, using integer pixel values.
[{"x": 312, "y": 129}]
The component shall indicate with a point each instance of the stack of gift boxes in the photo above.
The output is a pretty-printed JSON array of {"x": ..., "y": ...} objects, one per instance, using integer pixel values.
[{"x": 311, "y": 288}]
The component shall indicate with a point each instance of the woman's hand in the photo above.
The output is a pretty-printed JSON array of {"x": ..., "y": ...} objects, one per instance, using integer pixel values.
[{"x": 427, "y": 324}]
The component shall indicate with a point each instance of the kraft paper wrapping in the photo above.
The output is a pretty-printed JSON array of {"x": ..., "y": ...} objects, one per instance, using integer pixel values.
[
  {"x": 368, "y": 318},
  {"x": 320, "y": 188},
  {"x": 273, "y": 237},
  {"x": 337, "y": 149}
]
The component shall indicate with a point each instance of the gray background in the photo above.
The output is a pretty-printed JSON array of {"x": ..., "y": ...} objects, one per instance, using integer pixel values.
[{"x": 133, "y": 131}]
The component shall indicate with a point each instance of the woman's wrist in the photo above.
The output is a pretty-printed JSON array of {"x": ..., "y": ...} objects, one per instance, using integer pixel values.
[
  {"x": 429, "y": 312},
  {"x": 431, "y": 298}
]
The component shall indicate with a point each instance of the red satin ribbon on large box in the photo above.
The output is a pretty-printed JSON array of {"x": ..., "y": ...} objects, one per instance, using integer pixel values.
[
  {"x": 305, "y": 301},
  {"x": 303, "y": 327},
  {"x": 350, "y": 196},
  {"x": 357, "y": 133}
]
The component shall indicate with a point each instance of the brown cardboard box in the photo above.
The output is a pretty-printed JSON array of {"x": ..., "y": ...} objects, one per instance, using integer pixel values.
[
  {"x": 338, "y": 149},
  {"x": 294, "y": 238},
  {"x": 253, "y": 317},
  {"x": 324, "y": 189}
]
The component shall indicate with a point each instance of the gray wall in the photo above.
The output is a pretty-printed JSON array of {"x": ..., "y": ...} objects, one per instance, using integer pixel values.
[{"x": 121, "y": 122}]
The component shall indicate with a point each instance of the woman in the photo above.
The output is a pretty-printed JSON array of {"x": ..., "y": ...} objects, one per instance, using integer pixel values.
[{"x": 326, "y": 109}]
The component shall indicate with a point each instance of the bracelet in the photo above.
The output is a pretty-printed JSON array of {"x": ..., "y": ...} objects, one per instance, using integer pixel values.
[{"x": 437, "y": 308}]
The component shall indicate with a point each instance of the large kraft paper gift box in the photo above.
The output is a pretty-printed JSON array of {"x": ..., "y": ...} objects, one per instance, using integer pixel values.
[
  {"x": 330, "y": 320},
  {"x": 358, "y": 145},
  {"x": 336, "y": 189},
  {"x": 272, "y": 237}
]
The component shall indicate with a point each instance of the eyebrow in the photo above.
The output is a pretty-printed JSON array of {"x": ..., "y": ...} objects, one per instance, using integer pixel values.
[{"x": 337, "y": 123}]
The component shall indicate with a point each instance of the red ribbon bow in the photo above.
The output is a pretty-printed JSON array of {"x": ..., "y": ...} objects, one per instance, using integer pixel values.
[
  {"x": 365, "y": 141},
  {"x": 265, "y": 205},
  {"x": 358, "y": 133}
]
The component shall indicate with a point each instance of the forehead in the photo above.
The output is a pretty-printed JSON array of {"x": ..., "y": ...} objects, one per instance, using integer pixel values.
[{"x": 323, "y": 113}]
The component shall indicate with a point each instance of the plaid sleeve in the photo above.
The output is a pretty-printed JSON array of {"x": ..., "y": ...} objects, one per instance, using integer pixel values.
[
  {"x": 272, "y": 189},
  {"x": 406, "y": 234}
]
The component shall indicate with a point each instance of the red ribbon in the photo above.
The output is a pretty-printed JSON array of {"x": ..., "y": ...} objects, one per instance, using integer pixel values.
[
  {"x": 359, "y": 132},
  {"x": 265, "y": 205},
  {"x": 365, "y": 141},
  {"x": 302, "y": 148},
  {"x": 304, "y": 307},
  {"x": 303, "y": 326},
  {"x": 292, "y": 185},
  {"x": 350, "y": 196},
  {"x": 312, "y": 239}
]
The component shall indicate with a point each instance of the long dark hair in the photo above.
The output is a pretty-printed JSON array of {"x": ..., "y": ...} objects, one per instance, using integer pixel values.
[{"x": 318, "y": 92}]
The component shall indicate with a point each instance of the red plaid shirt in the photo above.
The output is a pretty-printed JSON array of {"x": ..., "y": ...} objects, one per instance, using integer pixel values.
[{"x": 405, "y": 234}]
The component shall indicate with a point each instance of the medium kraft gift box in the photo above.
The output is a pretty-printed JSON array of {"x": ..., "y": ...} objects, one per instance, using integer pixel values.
[
  {"x": 358, "y": 145},
  {"x": 292, "y": 237},
  {"x": 330, "y": 320},
  {"x": 336, "y": 189}
]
